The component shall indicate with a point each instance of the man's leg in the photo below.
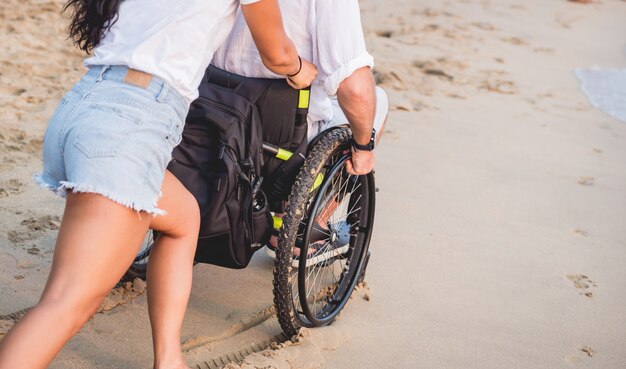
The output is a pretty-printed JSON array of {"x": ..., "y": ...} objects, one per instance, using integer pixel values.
[{"x": 382, "y": 112}]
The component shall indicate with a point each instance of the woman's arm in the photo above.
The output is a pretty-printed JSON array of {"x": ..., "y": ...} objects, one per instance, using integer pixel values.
[{"x": 277, "y": 51}]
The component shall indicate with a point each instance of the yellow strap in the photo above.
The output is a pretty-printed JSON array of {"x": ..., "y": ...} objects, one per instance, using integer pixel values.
[
  {"x": 283, "y": 154},
  {"x": 303, "y": 101},
  {"x": 278, "y": 222}
]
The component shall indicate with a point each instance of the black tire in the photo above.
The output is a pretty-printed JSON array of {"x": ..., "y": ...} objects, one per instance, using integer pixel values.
[
  {"x": 139, "y": 267},
  {"x": 312, "y": 294}
]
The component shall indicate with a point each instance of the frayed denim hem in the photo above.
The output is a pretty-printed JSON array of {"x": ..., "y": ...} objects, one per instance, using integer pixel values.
[
  {"x": 41, "y": 182},
  {"x": 64, "y": 186}
]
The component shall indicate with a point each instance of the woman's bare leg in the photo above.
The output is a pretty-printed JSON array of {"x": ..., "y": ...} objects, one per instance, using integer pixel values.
[
  {"x": 97, "y": 241},
  {"x": 170, "y": 268}
]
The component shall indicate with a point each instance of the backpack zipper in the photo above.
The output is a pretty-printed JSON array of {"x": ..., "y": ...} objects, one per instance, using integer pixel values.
[{"x": 223, "y": 107}]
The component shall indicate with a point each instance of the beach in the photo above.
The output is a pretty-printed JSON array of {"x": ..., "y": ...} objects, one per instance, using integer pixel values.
[{"x": 500, "y": 233}]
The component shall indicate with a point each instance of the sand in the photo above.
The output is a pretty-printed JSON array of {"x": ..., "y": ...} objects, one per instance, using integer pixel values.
[{"x": 511, "y": 247}]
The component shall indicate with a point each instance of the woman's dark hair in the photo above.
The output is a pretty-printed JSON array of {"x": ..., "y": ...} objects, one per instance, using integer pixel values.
[{"x": 90, "y": 20}]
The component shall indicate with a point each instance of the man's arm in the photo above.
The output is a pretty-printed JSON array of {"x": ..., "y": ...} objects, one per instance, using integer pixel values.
[
  {"x": 357, "y": 99},
  {"x": 344, "y": 66}
]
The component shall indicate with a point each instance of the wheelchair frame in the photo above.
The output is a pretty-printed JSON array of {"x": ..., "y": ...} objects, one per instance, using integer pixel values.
[{"x": 307, "y": 296}]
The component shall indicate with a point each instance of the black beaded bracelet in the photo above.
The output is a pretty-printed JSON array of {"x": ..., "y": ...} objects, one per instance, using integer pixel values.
[{"x": 299, "y": 68}]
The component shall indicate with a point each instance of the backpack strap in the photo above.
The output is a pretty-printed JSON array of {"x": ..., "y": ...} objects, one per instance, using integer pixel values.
[
  {"x": 249, "y": 88},
  {"x": 252, "y": 88}
]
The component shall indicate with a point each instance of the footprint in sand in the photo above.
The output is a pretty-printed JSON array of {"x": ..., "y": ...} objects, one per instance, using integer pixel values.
[
  {"x": 13, "y": 140},
  {"x": 46, "y": 222},
  {"x": 390, "y": 79},
  {"x": 583, "y": 283},
  {"x": 589, "y": 351},
  {"x": 518, "y": 41},
  {"x": 583, "y": 353},
  {"x": 567, "y": 22},
  {"x": 11, "y": 187},
  {"x": 484, "y": 26},
  {"x": 431, "y": 27},
  {"x": 586, "y": 181},
  {"x": 19, "y": 237},
  {"x": 514, "y": 40},
  {"x": 499, "y": 86},
  {"x": 384, "y": 33},
  {"x": 545, "y": 50},
  {"x": 443, "y": 68},
  {"x": 496, "y": 81},
  {"x": 33, "y": 228},
  {"x": 122, "y": 295}
]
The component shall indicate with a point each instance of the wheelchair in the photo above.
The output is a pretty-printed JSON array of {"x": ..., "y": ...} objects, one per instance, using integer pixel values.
[{"x": 323, "y": 234}]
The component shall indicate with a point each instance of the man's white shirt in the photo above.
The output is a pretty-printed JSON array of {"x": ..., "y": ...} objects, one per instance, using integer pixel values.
[{"x": 328, "y": 33}]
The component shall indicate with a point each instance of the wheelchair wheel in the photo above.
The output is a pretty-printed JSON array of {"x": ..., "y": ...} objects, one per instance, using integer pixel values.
[
  {"x": 329, "y": 220},
  {"x": 139, "y": 267}
]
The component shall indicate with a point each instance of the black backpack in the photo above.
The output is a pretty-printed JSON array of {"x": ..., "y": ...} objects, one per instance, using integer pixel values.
[{"x": 221, "y": 162}]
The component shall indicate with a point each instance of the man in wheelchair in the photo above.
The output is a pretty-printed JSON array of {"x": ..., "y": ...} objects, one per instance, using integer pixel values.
[
  {"x": 330, "y": 35},
  {"x": 251, "y": 141}
]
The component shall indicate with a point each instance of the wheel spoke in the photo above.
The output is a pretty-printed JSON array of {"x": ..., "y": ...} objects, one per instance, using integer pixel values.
[{"x": 324, "y": 280}]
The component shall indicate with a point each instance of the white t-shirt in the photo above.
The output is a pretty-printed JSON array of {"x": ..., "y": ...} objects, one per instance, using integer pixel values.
[
  {"x": 171, "y": 39},
  {"x": 326, "y": 32}
]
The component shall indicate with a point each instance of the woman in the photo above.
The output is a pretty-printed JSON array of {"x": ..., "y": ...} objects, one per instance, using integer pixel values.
[{"x": 106, "y": 148}]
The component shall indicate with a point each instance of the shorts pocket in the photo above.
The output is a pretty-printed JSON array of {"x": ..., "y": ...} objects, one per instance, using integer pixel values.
[
  {"x": 175, "y": 135},
  {"x": 104, "y": 129}
]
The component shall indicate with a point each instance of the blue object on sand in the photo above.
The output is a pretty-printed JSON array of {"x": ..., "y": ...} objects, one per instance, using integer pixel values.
[{"x": 605, "y": 89}]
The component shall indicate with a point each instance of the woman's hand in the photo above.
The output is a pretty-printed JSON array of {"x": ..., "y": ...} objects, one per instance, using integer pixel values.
[{"x": 304, "y": 77}]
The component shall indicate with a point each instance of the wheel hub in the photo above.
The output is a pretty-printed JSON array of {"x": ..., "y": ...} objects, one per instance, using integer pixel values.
[{"x": 333, "y": 236}]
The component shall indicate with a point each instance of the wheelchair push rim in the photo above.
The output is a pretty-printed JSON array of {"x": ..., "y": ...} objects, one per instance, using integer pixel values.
[
  {"x": 329, "y": 284},
  {"x": 294, "y": 288}
]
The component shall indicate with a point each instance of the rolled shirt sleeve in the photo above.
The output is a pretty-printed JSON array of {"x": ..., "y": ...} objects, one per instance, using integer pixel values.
[{"x": 340, "y": 42}]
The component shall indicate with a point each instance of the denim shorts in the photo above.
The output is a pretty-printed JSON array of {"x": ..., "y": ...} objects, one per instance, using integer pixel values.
[{"x": 113, "y": 138}]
